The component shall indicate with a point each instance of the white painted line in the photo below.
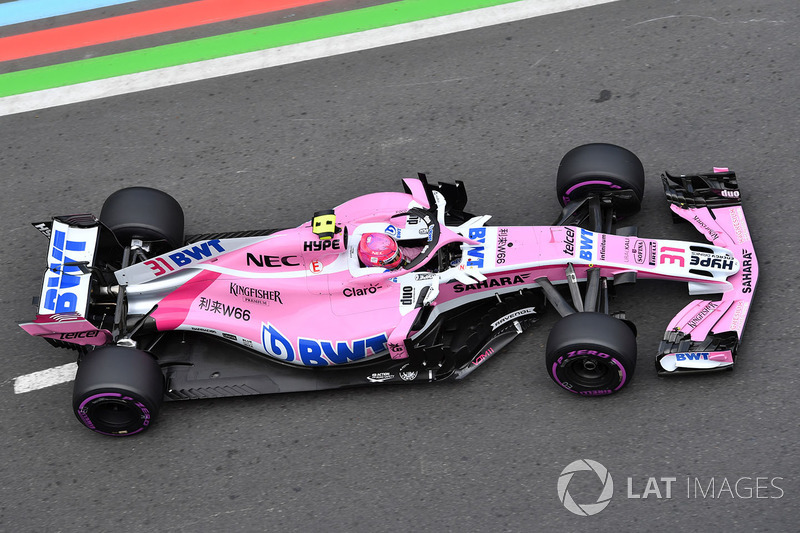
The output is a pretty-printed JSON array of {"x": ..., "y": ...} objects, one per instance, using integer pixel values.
[
  {"x": 45, "y": 378},
  {"x": 224, "y": 66}
]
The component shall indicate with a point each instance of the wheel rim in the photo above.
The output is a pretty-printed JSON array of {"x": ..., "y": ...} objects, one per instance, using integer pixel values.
[
  {"x": 115, "y": 415},
  {"x": 590, "y": 373}
]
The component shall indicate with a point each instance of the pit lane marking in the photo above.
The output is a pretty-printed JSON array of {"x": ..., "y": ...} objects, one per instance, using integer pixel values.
[{"x": 45, "y": 378}]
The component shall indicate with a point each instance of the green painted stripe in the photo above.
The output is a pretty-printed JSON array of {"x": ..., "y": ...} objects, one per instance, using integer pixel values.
[{"x": 299, "y": 31}]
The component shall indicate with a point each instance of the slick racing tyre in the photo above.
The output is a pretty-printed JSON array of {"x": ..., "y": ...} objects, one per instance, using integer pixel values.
[
  {"x": 146, "y": 214},
  {"x": 600, "y": 167},
  {"x": 118, "y": 391},
  {"x": 591, "y": 354}
]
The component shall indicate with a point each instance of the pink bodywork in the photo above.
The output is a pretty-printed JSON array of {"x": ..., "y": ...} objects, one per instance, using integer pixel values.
[
  {"x": 308, "y": 301},
  {"x": 68, "y": 327}
]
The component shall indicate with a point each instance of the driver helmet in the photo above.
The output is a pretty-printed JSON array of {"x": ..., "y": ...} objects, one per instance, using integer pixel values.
[{"x": 379, "y": 250}]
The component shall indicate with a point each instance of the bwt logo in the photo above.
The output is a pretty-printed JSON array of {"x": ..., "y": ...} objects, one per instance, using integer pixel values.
[
  {"x": 475, "y": 254},
  {"x": 586, "y": 509},
  {"x": 60, "y": 279},
  {"x": 196, "y": 253},
  {"x": 692, "y": 356},
  {"x": 314, "y": 352},
  {"x": 587, "y": 244}
]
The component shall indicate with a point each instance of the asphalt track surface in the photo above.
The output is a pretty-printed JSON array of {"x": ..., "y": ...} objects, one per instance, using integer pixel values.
[{"x": 685, "y": 85}]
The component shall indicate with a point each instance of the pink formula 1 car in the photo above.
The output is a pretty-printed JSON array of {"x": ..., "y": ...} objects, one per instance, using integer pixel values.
[{"x": 155, "y": 315}]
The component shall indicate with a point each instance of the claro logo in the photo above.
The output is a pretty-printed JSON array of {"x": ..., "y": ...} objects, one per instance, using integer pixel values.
[{"x": 349, "y": 292}]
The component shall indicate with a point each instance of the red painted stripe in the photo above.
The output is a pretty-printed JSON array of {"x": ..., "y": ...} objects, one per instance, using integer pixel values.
[{"x": 137, "y": 25}]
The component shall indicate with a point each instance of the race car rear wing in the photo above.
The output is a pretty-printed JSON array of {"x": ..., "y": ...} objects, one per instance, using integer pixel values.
[
  {"x": 70, "y": 256},
  {"x": 706, "y": 334},
  {"x": 65, "y": 297}
]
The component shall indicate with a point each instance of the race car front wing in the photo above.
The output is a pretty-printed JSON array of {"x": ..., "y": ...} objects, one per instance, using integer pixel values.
[{"x": 706, "y": 334}]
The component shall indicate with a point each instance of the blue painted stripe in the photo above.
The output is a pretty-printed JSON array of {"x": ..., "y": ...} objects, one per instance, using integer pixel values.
[{"x": 27, "y": 10}]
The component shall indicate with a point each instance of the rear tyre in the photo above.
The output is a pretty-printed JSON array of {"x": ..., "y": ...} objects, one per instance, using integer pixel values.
[
  {"x": 601, "y": 167},
  {"x": 146, "y": 214},
  {"x": 118, "y": 391},
  {"x": 591, "y": 354}
]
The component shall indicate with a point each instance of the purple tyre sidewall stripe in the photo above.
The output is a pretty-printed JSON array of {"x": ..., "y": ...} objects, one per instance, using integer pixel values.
[
  {"x": 624, "y": 377},
  {"x": 566, "y": 195},
  {"x": 584, "y": 183},
  {"x": 101, "y": 395}
]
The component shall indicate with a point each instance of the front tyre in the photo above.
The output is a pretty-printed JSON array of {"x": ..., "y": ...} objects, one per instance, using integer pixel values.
[
  {"x": 118, "y": 391},
  {"x": 591, "y": 354}
]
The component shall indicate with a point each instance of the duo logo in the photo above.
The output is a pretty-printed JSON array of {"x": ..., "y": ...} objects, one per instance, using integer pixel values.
[
  {"x": 476, "y": 253},
  {"x": 61, "y": 282},
  {"x": 313, "y": 352}
]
